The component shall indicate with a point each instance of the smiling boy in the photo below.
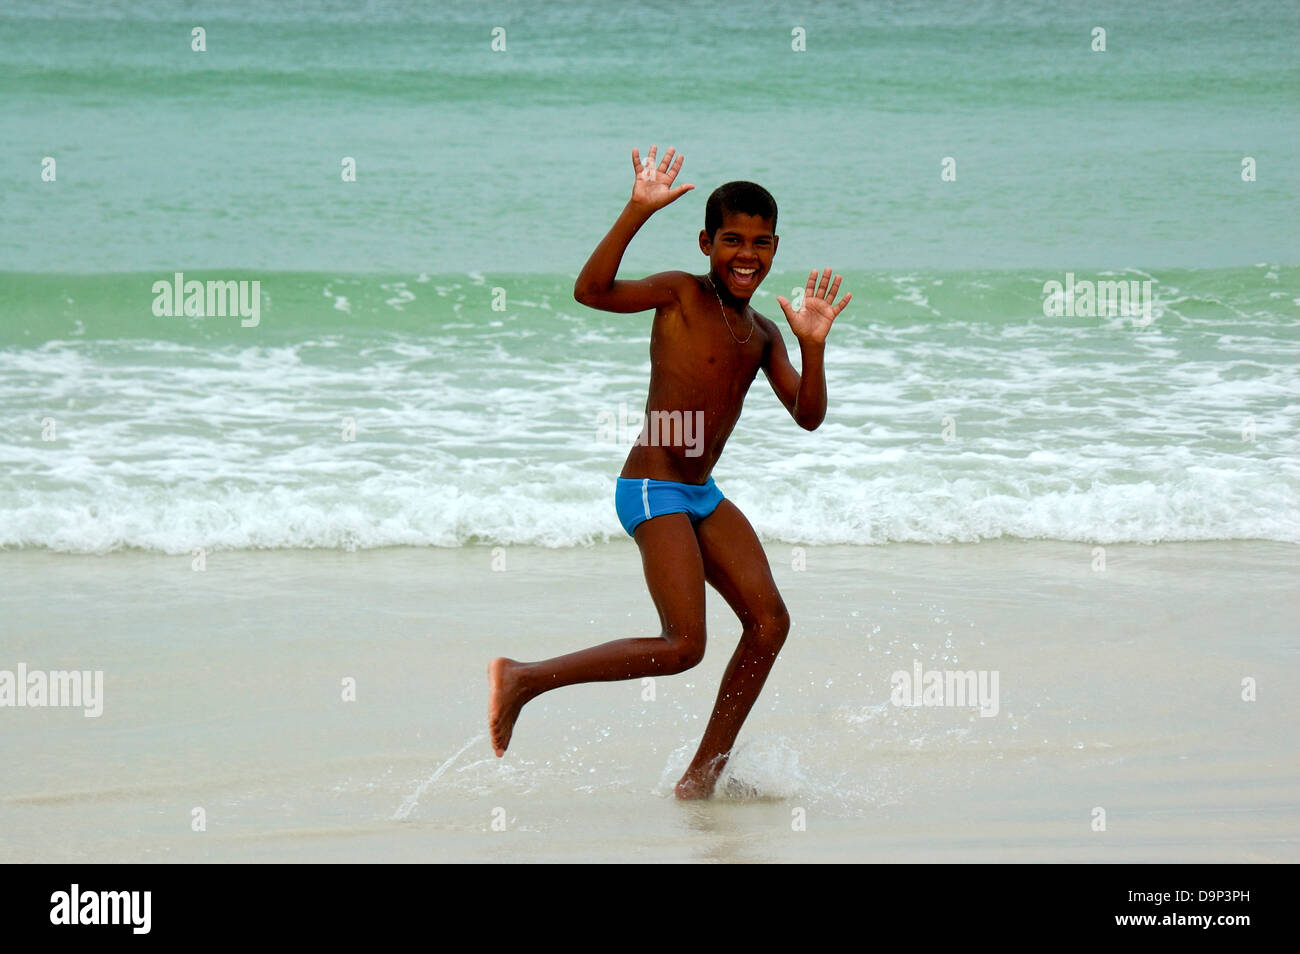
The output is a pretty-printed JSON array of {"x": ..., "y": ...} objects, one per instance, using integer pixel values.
[{"x": 706, "y": 347}]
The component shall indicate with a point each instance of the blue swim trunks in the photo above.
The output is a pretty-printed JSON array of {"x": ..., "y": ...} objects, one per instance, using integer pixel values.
[{"x": 637, "y": 499}]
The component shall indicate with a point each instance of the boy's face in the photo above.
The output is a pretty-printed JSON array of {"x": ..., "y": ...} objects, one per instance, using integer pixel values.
[{"x": 740, "y": 252}]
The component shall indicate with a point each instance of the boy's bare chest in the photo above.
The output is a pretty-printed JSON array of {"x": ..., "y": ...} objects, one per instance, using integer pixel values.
[{"x": 700, "y": 346}]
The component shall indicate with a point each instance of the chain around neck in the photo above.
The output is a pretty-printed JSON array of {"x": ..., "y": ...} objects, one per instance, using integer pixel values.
[{"x": 724, "y": 315}]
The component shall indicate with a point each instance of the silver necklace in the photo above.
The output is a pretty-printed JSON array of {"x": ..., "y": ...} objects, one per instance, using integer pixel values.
[{"x": 724, "y": 315}]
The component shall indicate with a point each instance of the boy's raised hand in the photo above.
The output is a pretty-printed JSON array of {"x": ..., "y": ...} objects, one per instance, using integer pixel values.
[
  {"x": 653, "y": 188},
  {"x": 813, "y": 321}
]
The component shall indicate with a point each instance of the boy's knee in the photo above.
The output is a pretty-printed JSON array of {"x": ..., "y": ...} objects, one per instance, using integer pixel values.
[
  {"x": 684, "y": 656},
  {"x": 771, "y": 627},
  {"x": 683, "y": 651}
]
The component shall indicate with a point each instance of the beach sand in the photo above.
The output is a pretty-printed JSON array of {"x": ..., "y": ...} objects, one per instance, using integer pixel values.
[{"x": 1118, "y": 689}]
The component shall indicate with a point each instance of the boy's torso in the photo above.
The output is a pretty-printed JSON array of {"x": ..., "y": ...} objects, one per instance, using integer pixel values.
[{"x": 701, "y": 366}]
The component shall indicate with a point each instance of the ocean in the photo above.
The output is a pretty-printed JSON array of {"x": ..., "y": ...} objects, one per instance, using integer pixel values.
[
  {"x": 406, "y": 193},
  {"x": 429, "y": 301}
]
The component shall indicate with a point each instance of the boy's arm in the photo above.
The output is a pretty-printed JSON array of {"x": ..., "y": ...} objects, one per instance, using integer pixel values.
[
  {"x": 804, "y": 395},
  {"x": 597, "y": 286}
]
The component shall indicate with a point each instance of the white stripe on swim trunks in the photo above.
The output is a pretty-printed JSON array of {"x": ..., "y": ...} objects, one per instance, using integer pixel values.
[{"x": 645, "y": 496}]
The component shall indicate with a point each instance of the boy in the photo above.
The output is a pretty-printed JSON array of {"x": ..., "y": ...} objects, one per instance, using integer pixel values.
[{"x": 706, "y": 346}]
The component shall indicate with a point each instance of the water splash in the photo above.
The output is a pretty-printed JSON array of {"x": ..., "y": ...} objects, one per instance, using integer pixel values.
[{"x": 408, "y": 804}]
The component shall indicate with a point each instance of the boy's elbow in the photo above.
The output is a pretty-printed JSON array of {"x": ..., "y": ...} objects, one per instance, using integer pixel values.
[
  {"x": 809, "y": 422},
  {"x": 589, "y": 295}
]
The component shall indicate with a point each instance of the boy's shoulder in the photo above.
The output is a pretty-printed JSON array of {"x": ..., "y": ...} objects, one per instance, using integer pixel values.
[
  {"x": 690, "y": 290},
  {"x": 680, "y": 282},
  {"x": 690, "y": 282}
]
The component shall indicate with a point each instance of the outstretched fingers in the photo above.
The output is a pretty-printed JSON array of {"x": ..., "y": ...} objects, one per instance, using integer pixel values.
[
  {"x": 825, "y": 289},
  {"x": 665, "y": 169},
  {"x": 675, "y": 168},
  {"x": 645, "y": 168},
  {"x": 824, "y": 283},
  {"x": 817, "y": 288},
  {"x": 834, "y": 290},
  {"x": 810, "y": 289}
]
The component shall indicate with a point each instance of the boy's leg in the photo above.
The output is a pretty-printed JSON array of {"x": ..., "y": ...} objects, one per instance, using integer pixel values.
[
  {"x": 674, "y": 574},
  {"x": 736, "y": 566}
]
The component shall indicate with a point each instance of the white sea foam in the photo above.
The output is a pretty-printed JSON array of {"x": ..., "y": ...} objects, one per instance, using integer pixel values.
[{"x": 488, "y": 431}]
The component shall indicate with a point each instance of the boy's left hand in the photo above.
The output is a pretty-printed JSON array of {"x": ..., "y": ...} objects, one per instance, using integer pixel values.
[{"x": 813, "y": 321}]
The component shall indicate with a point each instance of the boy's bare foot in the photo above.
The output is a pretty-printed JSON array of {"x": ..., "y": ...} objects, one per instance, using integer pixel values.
[
  {"x": 506, "y": 697},
  {"x": 695, "y": 786}
]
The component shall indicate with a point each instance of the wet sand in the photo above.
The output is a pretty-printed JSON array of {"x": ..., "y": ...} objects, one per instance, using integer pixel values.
[{"x": 1118, "y": 689}]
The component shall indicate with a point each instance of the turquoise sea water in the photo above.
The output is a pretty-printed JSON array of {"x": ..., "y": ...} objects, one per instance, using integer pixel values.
[{"x": 487, "y": 177}]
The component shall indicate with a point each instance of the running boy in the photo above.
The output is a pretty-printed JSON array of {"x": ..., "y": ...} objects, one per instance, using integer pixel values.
[{"x": 706, "y": 346}]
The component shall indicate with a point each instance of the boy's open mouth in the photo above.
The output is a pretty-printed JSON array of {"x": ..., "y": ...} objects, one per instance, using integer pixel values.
[{"x": 743, "y": 277}]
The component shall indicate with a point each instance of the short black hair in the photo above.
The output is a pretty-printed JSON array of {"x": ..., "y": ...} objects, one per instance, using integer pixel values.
[{"x": 747, "y": 198}]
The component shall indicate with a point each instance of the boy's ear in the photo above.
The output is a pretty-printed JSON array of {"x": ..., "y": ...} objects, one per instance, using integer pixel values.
[
  {"x": 776, "y": 242},
  {"x": 705, "y": 243}
]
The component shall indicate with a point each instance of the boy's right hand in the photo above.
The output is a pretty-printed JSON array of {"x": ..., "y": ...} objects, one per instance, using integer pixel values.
[{"x": 653, "y": 189}]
